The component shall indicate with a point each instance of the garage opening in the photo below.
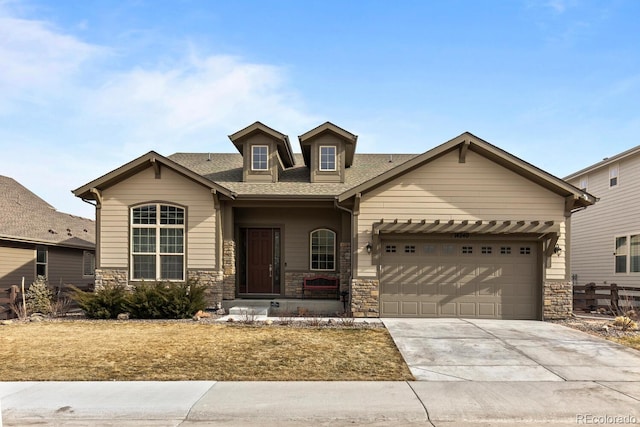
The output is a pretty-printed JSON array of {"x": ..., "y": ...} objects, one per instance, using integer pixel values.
[{"x": 494, "y": 279}]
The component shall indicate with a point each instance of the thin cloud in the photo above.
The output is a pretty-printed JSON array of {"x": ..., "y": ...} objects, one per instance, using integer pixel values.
[{"x": 66, "y": 117}]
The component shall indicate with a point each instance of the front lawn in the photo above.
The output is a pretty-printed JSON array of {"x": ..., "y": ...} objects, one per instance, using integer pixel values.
[{"x": 166, "y": 351}]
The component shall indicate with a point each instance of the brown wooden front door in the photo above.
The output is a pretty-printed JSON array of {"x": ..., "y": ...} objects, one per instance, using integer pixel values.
[{"x": 262, "y": 268}]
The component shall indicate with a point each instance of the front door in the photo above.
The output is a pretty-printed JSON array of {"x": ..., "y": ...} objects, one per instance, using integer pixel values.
[{"x": 262, "y": 258}]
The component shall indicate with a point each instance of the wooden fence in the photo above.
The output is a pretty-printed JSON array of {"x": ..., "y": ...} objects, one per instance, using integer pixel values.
[{"x": 590, "y": 297}]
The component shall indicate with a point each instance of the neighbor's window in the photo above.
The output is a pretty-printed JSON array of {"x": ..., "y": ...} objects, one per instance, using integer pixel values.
[
  {"x": 88, "y": 263},
  {"x": 259, "y": 157},
  {"x": 327, "y": 158},
  {"x": 41, "y": 261},
  {"x": 627, "y": 247},
  {"x": 584, "y": 182},
  {"x": 157, "y": 242},
  {"x": 614, "y": 173},
  {"x": 323, "y": 249},
  {"x": 621, "y": 254}
]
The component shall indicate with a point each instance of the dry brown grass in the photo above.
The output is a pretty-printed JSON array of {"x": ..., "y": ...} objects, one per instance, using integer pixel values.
[
  {"x": 633, "y": 342},
  {"x": 136, "y": 351}
]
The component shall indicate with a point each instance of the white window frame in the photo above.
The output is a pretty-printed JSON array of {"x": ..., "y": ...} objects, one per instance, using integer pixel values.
[
  {"x": 45, "y": 250},
  {"x": 158, "y": 254},
  {"x": 614, "y": 174},
  {"x": 335, "y": 158},
  {"x": 88, "y": 260},
  {"x": 627, "y": 253},
  {"x": 253, "y": 158},
  {"x": 333, "y": 250}
]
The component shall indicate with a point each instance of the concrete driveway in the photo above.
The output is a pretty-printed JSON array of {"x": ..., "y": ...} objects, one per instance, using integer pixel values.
[{"x": 509, "y": 350}]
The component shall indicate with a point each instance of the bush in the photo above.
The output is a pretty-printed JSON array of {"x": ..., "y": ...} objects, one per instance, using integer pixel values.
[
  {"x": 104, "y": 303},
  {"x": 171, "y": 300},
  {"x": 39, "y": 297}
]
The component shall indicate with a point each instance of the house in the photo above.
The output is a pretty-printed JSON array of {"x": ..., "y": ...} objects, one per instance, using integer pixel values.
[
  {"x": 462, "y": 230},
  {"x": 605, "y": 246},
  {"x": 36, "y": 240}
]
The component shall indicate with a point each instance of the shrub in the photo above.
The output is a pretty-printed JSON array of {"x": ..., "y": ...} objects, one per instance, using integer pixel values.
[
  {"x": 170, "y": 300},
  {"x": 39, "y": 297},
  {"x": 104, "y": 303}
]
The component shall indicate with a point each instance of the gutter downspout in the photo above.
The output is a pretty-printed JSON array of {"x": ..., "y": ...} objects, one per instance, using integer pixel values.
[
  {"x": 352, "y": 248},
  {"x": 98, "y": 206}
]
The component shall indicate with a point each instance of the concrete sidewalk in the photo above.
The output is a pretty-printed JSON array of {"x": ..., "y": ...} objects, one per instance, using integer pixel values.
[{"x": 318, "y": 403}]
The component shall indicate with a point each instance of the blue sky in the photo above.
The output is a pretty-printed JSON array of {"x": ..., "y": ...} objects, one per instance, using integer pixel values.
[{"x": 86, "y": 86}]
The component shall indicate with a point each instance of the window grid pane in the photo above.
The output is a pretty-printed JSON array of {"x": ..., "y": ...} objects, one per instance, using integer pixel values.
[
  {"x": 171, "y": 267},
  {"x": 144, "y": 267},
  {"x": 144, "y": 240},
  {"x": 145, "y": 215},
  {"x": 259, "y": 158},
  {"x": 171, "y": 240},
  {"x": 327, "y": 158},
  {"x": 322, "y": 250},
  {"x": 634, "y": 242},
  {"x": 171, "y": 215},
  {"x": 621, "y": 255}
]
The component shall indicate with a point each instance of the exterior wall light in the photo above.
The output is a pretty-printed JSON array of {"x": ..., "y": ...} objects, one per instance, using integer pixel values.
[
  {"x": 369, "y": 247},
  {"x": 557, "y": 250}
]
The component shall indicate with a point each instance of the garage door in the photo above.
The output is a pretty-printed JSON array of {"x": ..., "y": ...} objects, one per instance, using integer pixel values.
[{"x": 459, "y": 279}]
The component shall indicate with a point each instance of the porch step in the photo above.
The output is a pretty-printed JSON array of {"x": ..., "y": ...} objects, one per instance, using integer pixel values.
[{"x": 249, "y": 310}]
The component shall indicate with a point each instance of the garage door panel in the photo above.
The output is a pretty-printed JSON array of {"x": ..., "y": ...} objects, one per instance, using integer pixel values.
[
  {"x": 390, "y": 308},
  {"x": 487, "y": 280},
  {"x": 409, "y": 308},
  {"x": 429, "y": 309}
]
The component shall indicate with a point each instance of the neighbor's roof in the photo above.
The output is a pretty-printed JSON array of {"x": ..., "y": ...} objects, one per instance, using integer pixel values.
[
  {"x": 606, "y": 162},
  {"x": 225, "y": 169},
  {"x": 27, "y": 218}
]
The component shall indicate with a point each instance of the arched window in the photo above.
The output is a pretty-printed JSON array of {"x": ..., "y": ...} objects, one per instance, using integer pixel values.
[
  {"x": 323, "y": 249},
  {"x": 157, "y": 242}
]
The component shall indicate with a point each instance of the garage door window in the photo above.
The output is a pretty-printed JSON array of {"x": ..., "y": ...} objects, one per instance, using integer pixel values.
[
  {"x": 409, "y": 249},
  {"x": 390, "y": 249},
  {"x": 505, "y": 250},
  {"x": 525, "y": 250},
  {"x": 467, "y": 250},
  {"x": 486, "y": 250}
]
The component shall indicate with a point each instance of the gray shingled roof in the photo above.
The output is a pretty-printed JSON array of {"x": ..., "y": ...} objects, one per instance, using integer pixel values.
[
  {"x": 225, "y": 169},
  {"x": 26, "y": 217}
]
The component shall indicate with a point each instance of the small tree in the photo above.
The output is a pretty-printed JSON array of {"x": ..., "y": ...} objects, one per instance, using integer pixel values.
[{"x": 39, "y": 297}]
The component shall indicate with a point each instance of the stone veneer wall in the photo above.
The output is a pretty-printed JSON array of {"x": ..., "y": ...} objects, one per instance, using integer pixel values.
[
  {"x": 229, "y": 269},
  {"x": 558, "y": 300},
  {"x": 365, "y": 298},
  {"x": 345, "y": 265},
  {"x": 212, "y": 280},
  {"x": 111, "y": 276}
]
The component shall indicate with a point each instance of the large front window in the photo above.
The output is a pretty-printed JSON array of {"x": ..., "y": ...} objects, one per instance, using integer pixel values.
[
  {"x": 323, "y": 249},
  {"x": 157, "y": 242}
]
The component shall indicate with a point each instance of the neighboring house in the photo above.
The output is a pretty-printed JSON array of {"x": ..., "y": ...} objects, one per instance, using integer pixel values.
[
  {"x": 37, "y": 240},
  {"x": 605, "y": 242},
  {"x": 462, "y": 230}
]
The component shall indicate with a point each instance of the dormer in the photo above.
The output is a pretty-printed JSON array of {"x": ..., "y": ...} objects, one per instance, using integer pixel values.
[
  {"x": 265, "y": 152},
  {"x": 327, "y": 151}
]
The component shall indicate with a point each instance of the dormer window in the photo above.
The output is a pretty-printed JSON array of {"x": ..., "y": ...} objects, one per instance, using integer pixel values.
[
  {"x": 259, "y": 158},
  {"x": 327, "y": 158}
]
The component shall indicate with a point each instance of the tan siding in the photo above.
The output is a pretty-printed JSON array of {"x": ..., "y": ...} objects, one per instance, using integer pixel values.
[
  {"x": 445, "y": 189},
  {"x": 296, "y": 225},
  {"x": 16, "y": 263},
  {"x": 594, "y": 229},
  {"x": 171, "y": 188},
  {"x": 65, "y": 266}
]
